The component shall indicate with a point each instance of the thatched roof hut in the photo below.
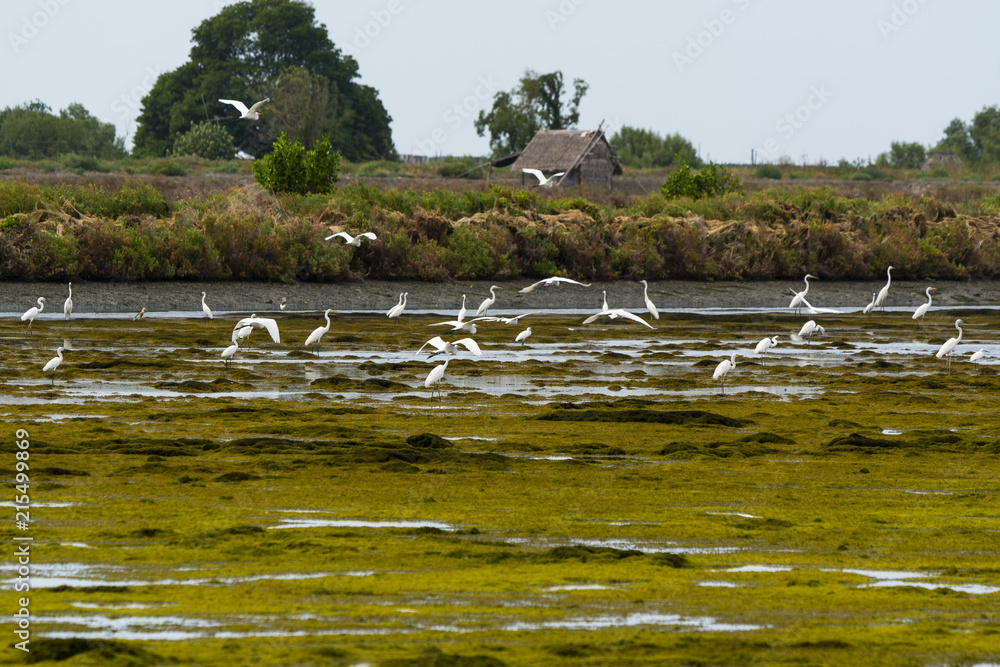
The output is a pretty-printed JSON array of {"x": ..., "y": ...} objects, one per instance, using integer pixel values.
[{"x": 586, "y": 157}]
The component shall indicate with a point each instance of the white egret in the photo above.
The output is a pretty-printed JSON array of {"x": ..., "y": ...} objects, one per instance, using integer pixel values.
[
  {"x": 246, "y": 114},
  {"x": 397, "y": 310},
  {"x": 870, "y": 307},
  {"x": 284, "y": 303},
  {"x": 441, "y": 346},
  {"x": 924, "y": 307},
  {"x": 53, "y": 363},
  {"x": 619, "y": 312},
  {"x": 950, "y": 344},
  {"x": 543, "y": 182},
  {"x": 30, "y": 314},
  {"x": 522, "y": 336},
  {"x": 800, "y": 296},
  {"x": 260, "y": 323},
  {"x": 554, "y": 280},
  {"x": 436, "y": 374},
  {"x": 313, "y": 338},
  {"x": 240, "y": 333},
  {"x": 461, "y": 311},
  {"x": 650, "y": 306},
  {"x": 68, "y": 304},
  {"x": 229, "y": 352},
  {"x": 513, "y": 320},
  {"x": 817, "y": 311},
  {"x": 884, "y": 292},
  {"x": 138, "y": 316},
  {"x": 810, "y": 328},
  {"x": 976, "y": 356},
  {"x": 488, "y": 302},
  {"x": 205, "y": 308},
  {"x": 722, "y": 370},
  {"x": 352, "y": 240},
  {"x": 464, "y": 325},
  {"x": 764, "y": 345}
]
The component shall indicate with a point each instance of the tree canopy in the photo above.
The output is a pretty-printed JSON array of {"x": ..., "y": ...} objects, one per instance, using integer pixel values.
[
  {"x": 253, "y": 49},
  {"x": 978, "y": 141},
  {"x": 536, "y": 104},
  {"x": 33, "y": 131},
  {"x": 644, "y": 149}
]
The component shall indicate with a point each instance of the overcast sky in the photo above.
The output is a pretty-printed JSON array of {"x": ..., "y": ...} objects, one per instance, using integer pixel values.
[{"x": 806, "y": 80}]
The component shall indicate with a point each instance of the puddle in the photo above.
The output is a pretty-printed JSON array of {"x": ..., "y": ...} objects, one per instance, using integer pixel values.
[
  {"x": 719, "y": 584},
  {"x": 84, "y": 574},
  {"x": 740, "y": 514},
  {"x": 584, "y": 587},
  {"x": 702, "y": 623},
  {"x": 645, "y": 546},
  {"x": 760, "y": 568},
  {"x": 891, "y": 431},
  {"x": 359, "y": 523}
]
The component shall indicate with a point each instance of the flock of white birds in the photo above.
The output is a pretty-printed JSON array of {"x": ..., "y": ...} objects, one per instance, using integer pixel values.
[{"x": 460, "y": 325}]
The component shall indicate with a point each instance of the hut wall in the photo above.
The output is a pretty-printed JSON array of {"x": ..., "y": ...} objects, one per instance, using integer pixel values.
[{"x": 596, "y": 169}]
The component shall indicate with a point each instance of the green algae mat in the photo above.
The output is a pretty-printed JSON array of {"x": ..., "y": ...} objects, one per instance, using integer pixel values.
[{"x": 588, "y": 498}]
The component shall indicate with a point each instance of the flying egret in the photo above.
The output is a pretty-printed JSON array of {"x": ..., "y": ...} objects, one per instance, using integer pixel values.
[
  {"x": 229, "y": 352},
  {"x": 764, "y": 345},
  {"x": 205, "y": 308},
  {"x": 924, "y": 307},
  {"x": 441, "y": 346},
  {"x": 870, "y": 307},
  {"x": 318, "y": 332},
  {"x": 722, "y": 370},
  {"x": 461, "y": 311},
  {"x": 619, "y": 312},
  {"x": 436, "y": 374},
  {"x": 138, "y": 316},
  {"x": 464, "y": 325},
  {"x": 650, "y": 306},
  {"x": 352, "y": 240},
  {"x": 513, "y": 320},
  {"x": 554, "y": 280},
  {"x": 53, "y": 363},
  {"x": 950, "y": 344},
  {"x": 810, "y": 328},
  {"x": 884, "y": 292},
  {"x": 521, "y": 336},
  {"x": 542, "y": 181},
  {"x": 488, "y": 302},
  {"x": 397, "y": 310},
  {"x": 247, "y": 114},
  {"x": 800, "y": 296},
  {"x": 30, "y": 314},
  {"x": 260, "y": 323},
  {"x": 976, "y": 356},
  {"x": 68, "y": 304}
]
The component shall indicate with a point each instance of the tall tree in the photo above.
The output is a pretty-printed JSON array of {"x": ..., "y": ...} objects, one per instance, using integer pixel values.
[
  {"x": 243, "y": 52},
  {"x": 32, "y": 130},
  {"x": 645, "y": 148},
  {"x": 536, "y": 104}
]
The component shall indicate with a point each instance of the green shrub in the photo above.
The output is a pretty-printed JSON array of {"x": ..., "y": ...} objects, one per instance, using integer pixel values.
[
  {"x": 18, "y": 197},
  {"x": 465, "y": 167},
  {"x": 168, "y": 168},
  {"x": 861, "y": 176},
  {"x": 207, "y": 140},
  {"x": 81, "y": 163},
  {"x": 289, "y": 168},
  {"x": 768, "y": 171},
  {"x": 379, "y": 168},
  {"x": 710, "y": 181}
]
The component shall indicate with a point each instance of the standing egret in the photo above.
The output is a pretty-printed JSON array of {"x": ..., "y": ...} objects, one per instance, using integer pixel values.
[
  {"x": 523, "y": 335},
  {"x": 53, "y": 363},
  {"x": 800, "y": 296},
  {"x": 723, "y": 369},
  {"x": 950, "y": 344},
  {"x": 924, "y": 307},
  {"x": 884, "y": 292},
  {"x": 68, "y": 304},
  {"x": 318, "y": 332},
  {"x": 461, "y": 311},
  {"x": 488, "y": 302},
  {"x": 138, "y": 316},
  {"x": 554, "y": 280},
  {"x": 246, "y": 114},
  {"x": 542, "y": 181},
  {"x": 30, "y": 314},
  {"x": 436, "y": 374},
  {"x": 205, "y": 308},
  {"x": 764, "y": 345},
  {"x": 976, "y": 356},
  {"x": 284, "y": 303},
  {"x": 810, "y": 328},
  {"x": 228, "y": 353},
  {"x": 352, "y": 240},
  {"x": 397, "y": 310},
  {"x": 650, "y": 306},
  {"x": 870, "y": 307}
]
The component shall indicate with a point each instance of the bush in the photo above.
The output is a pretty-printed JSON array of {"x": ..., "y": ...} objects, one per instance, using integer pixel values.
[
  {"x": 207, "y": 140},
  {"x": 466, "y": 167},
  {"x": 168, "y": 168},
  {"x": 710, "y": 181},
  {"x": 768, "y": 171},
  {"x": 379, "y": 168},
  {"x": 289, "y": 168}
]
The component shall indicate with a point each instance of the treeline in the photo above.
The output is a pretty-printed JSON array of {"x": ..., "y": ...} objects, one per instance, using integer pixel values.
[
  {"x": 32, "y": 131},
  {"x": 131, "y": 233}
]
